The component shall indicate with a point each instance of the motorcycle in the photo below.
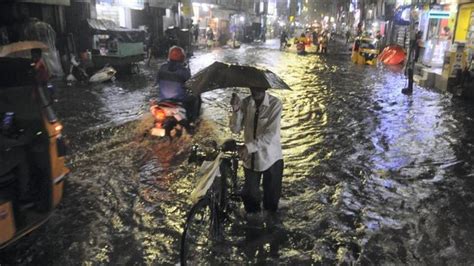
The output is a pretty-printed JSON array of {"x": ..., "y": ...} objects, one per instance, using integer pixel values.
[
  {"x": 77, "y": 73},
  {"x": 170, "y": 118},
  {"x": 173, "y": 118},
  {"x": 106, "y": 73}
]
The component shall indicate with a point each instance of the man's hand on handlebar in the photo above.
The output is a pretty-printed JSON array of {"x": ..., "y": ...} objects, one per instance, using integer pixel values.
[{"x": 243, "y": 152}]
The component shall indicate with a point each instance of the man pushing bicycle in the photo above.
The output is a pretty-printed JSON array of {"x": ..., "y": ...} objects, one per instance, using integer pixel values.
[{"x": 259, "y": 116}]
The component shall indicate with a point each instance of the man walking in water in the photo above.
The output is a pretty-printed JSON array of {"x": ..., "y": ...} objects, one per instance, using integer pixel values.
[{"x": 259, "y": 116}]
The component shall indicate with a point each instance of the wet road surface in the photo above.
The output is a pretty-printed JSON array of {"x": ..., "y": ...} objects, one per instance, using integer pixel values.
[{"x": 371, "y": 176}]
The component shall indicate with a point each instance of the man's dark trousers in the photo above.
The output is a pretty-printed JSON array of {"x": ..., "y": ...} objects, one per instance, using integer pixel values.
[{"x": 271, "y": 188}]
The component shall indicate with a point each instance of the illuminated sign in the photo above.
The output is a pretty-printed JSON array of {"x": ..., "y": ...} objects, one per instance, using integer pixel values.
[{"x": 439, "y": 14}]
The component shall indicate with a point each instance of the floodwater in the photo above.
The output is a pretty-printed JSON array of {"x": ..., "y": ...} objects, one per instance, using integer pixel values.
[{"x": 372, "y": 176}]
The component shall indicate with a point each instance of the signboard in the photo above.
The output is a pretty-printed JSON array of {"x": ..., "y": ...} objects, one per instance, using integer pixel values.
[
  {"x": 187, "y": 8},
  {"x": 439, "y": 14},
  {"x": 161, "y": 3},
  {"x": 48, "y": 2}
]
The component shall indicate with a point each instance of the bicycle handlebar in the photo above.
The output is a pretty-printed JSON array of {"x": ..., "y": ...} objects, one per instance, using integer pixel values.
[{"x": 199, "y": 154}]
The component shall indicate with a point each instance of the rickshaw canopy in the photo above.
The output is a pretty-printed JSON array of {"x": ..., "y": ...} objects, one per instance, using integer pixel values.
[{"x": 12, "y": 48}]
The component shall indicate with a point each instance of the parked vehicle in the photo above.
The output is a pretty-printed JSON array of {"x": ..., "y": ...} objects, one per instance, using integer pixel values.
[
  {"x": 112, "y": 45},
  {"x": 300, "y": 48},
  {"x": 32, "y": 151},
  {"x": 78, "y": 73},
  {"x": 180, "y": 37},
  {"x": 105, "y": 74},
  {"x": 364, "y": 51},
  {"x": 392, "y": 55}
]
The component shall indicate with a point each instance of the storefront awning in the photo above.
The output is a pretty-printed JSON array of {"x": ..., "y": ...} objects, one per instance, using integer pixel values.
[
  {"x": 108, "y": 27},
  {"x": 105, "y": 26},
  {"x": 161, "y": 3},
  {"x": 48, "y": 2}
]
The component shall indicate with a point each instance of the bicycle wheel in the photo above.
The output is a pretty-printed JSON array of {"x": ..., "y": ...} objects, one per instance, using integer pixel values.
[
  {"x": 199, "y": 231},
  {"x": 226, "y": 184}
]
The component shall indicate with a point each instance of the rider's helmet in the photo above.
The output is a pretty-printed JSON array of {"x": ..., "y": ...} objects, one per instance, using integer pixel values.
[{"x": 176, "y": 54}]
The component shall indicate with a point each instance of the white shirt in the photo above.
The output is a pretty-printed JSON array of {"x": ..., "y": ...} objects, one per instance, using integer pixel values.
[{"x": 266, "y": 145}]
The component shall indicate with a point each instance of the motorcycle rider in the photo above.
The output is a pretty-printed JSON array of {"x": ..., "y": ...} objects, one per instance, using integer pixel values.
[{"x": 171, "y": 78}]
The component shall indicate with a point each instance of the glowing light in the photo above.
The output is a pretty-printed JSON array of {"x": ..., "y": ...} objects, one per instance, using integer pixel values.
[
  {"x": 158, "y": 113},
  {"x": 453, "y": 7},
  {"x": 58, "y": 127},
  {"x": 242, "y": 18}
]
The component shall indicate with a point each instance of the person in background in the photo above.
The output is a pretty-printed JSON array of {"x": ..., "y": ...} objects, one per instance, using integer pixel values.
[
  {"x": 196, "y": 33},
  {"x": 259, "y": 116},
  {"x": 323, "y": 43},
  {"x": 447, "y": 33},
  {"x": 378, "y": 38},
  {"x": 283, "y": 40},
  {"x": 418, "y": 43},
  {"x": 314, "y": 37},
  {"x": 378, "y": 35},
  {"x": 348, "y": 36},
  {"x": 149, "y": 46},
  {"x": 210, "y": 37},
  {"x": 303, "y": 38}
]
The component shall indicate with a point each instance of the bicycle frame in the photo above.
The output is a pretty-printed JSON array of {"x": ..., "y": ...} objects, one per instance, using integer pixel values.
[
  {"x": 218, "y": 198},
  {"x": 230, "y": 164}
]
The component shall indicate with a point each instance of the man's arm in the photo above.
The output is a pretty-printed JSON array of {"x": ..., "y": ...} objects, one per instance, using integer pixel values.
[
  {"x": 237, "y": 117},
  {"x": 236, "y": 121},
  {"x": 185, "y": 73},
  {"x": 272, "y": 127}
]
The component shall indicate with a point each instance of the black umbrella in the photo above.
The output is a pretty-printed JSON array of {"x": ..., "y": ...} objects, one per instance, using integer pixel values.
[{"x": 222, "y": 75}]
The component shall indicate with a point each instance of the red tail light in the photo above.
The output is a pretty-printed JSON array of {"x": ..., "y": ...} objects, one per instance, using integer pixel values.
[{"x": 159, "y": 114}]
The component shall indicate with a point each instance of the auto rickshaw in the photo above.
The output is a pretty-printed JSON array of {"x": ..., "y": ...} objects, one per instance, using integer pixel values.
[
  {"x": 111, "y": 45},
  {"x": 364, "y": 51},
  {"x": 31, "y": 148}
]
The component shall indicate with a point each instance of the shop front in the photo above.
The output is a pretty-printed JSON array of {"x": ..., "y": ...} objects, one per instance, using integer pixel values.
[
  {"x": 209, "y": 17},
  {"x": 464, "y": 33},
  {"x": 436, "y": 26}
]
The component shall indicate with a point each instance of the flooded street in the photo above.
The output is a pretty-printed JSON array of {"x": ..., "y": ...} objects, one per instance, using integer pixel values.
[{"x": 371, "y": 176}]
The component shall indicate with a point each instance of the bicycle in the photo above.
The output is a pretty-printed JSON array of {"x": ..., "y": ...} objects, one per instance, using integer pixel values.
[{"x": 205, "y": 220}]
